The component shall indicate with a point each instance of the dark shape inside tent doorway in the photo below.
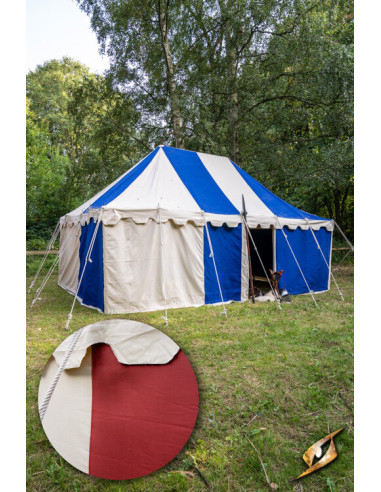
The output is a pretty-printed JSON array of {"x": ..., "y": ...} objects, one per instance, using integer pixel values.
[{"x": 264, "y": 240}]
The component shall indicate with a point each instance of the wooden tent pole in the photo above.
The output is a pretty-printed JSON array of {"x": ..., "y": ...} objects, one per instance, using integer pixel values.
[{"x": 250, "y": 267}]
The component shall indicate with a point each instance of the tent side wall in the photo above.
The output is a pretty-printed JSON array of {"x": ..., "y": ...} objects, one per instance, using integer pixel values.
[
  {"x": 92, "y": 285},
  {"x": 68, "y": 268},
  {"x": 136, "y": 267},
  {"x": 227, "y": 248},
  {"x": 309, "y": 258},
  {"x": 141, "y": 274}
]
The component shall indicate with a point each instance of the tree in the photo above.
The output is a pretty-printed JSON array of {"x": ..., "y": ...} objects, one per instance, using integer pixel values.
[
  {"x": 107, "y": 143},
  {"x": 46, "y": 171},
  {"x": 304, "y": 146},
  {"x": 137, "y": 37},
  {"x": 282, "y": 76},
  {"x": 268, "y": 83},
  {"x": 80, "y": 136}
]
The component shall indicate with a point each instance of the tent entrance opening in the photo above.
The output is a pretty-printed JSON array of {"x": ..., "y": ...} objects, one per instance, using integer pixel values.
[{"x": 264, "y": 240}]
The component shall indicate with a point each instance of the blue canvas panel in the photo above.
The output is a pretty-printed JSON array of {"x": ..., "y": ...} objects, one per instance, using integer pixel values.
[
  {"x": 227, "y": 248},
  {"x": 309, "y": 258},
  {"x": 277, "y": 206},
  {"x": 123, "y": 183},
  {"x": 200, "y": 184},
  {"x": 92, "y": 285}
]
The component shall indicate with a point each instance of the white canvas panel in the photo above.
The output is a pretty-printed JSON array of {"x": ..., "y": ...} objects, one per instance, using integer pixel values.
[
  {"x": 233, "y": 185},
  {"x": 67, "y": 420},
  {"x": 68, "y": 269},
  {"x": 157, "y": 184},
  {"x": 132, "y": 342},
  {"x": 133, "y": 273}
]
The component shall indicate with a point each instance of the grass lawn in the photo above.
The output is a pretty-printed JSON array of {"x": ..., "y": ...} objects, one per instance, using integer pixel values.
[{"x": 280, "y": 379}]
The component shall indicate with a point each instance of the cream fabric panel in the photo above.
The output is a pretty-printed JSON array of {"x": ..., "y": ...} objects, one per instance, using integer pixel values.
[
  {"x": 160, "y": 184},
  {"x": 233, "y": 185},
  {"x": 67, "y": 421},
  {"x": 69, "y": 262},
  {"x": 132, "y": 342},
  {"x": 133, "y": 277},
  {"x": 244, "y": 267}
]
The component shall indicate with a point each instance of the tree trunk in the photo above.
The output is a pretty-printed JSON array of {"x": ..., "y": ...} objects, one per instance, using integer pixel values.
[
  {"x": 231, "y": 82},
  {"x": 339, "y": 205},
  {"x": 336, "y": 204},
  {"x": 173, "y": 97},
  {"x": 233, "y": 126}
]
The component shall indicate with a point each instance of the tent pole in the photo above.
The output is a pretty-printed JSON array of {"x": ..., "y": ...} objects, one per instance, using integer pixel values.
[
  {"x": 50, "y": 245},
  {"x": 88, "y": 259},
  {"x": 297, "y": 263},
  {"x": 263, "y": 267},
  {"x": 344, "y": 236},
  {"x": 337, "y": 266},
  {"x": 325, "y": 261},
  {"x": 349, "y": 244},
  {"x": 52, "y": 268},
  {"x": 165, "y": 317},
  {"x": 250, "y": 267},
  {"x": 215, "y": 269}
]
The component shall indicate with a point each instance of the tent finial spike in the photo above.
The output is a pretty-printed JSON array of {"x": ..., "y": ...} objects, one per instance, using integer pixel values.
[{"x": 244, "y": 211}]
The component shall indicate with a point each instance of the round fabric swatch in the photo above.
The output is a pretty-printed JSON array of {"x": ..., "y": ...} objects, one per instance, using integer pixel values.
[{"x": 121, "y": 421}]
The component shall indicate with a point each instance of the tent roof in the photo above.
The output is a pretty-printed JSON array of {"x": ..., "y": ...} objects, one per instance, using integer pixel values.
[{"x": 181, "y": 185}]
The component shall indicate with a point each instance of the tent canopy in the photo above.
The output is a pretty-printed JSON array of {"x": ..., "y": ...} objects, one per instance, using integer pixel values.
[
  {"x": 171, "y": 233},
  {"x": 191, "y": 186}
]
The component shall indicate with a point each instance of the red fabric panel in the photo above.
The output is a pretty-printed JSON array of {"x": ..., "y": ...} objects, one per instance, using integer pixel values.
[{"x": 142, "y": 416}]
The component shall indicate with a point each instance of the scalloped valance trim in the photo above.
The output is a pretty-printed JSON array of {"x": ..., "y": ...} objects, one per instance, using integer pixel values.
[{"x": 111, "y": 217}]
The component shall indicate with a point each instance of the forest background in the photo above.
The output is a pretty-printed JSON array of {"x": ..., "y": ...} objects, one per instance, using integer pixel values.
[{"x": 268, "y": 83}]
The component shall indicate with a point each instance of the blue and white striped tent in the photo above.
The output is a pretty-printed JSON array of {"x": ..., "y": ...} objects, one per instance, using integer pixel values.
[{"x": 150, "y": 235}]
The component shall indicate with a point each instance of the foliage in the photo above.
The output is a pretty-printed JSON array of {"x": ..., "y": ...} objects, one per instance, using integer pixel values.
[
  {"x": 305, "y": 151},
  {"x": 282, "y": 378},
  {"x": 103, "y": 125},
  {"x": 269, "y": 83},
  {"x": 46, "y": 172},
  {"x": 80, "y": 137}
]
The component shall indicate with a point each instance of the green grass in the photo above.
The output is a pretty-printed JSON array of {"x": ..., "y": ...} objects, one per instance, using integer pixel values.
[{"x": 282, "y": 378}]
